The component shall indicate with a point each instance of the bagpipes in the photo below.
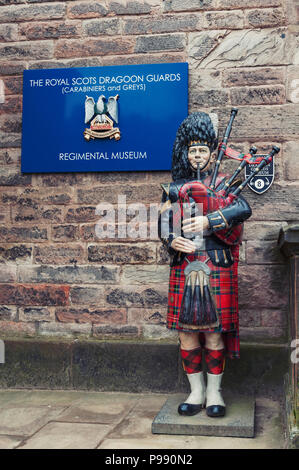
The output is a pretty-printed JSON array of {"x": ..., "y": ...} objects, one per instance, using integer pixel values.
[{"x": 198, "y": 307}]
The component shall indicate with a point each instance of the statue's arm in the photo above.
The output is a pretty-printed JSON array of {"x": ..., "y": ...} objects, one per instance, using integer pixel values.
[
  {"x": 167, "y": 230},
  {"x": 227, "y": 222},
  {"x": 233, "y": 214}
]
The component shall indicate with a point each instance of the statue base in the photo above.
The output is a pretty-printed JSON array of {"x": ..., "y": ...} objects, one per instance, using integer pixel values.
[{"x": 237, "y": 422}]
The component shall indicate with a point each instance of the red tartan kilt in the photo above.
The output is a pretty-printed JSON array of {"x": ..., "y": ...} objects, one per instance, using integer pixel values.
[{"x": 224, "y": 287}]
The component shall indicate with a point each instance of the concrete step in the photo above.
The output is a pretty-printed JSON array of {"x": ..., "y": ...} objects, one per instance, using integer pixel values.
[{"x": 237, "y": 422}]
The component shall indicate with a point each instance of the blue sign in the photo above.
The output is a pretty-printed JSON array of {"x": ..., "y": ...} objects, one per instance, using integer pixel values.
[{"x": 118, "y": 118}]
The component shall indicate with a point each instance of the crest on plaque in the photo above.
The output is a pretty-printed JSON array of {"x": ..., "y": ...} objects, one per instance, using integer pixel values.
[
  {"x": 101, "y": 116},
  {"x": 261, "y": 182}
]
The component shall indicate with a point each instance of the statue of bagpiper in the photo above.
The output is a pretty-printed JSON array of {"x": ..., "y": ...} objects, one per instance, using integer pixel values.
[{"x": 201, "y": 224}]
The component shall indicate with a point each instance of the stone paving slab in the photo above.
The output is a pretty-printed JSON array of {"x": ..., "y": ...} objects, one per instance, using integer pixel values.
[
  {"x": 237, "y": 422},
  {"x": 137, "y": 423},
  {"x": 187, "y": 442},
  {"x": 99, "y": 408},
  {"x": 67, "y": 436},
  {"x": 20, "y": 421},
  {"x": 12, "y": 396},
  {"x": 10, "y": 442},
  {"x": 44, "y": 415},
  {"x": 63, "y": 398},
  {"x": 38, "y": 397}
]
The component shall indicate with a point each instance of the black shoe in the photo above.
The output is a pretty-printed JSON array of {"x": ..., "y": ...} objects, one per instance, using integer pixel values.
[
  {"x": 189, "y": 410},
  {"x": 214, "y": 411}
]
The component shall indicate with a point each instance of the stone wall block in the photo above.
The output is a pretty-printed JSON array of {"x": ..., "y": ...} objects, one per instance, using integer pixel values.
[
  {"x": 36, "y": 314},
  {"x": 124, "y": 194},
  {"x": 133, "y": 7},
  {"x": 18, "y": 329},
  {"x": 61, "y": 254},
  {"x": 10, "y": 157},
  {"x": 23, "y": 234},
  {"x": 68, "y": 48},
  {"x": 209, "y": 97},
  {"x": 8, "y": 273},
  {"x": 68, "y": 274},
  {"x": 151, "y": 316},
  {"x": 9, "y": 140},
  {"x": 293, "y": 84},
  {"x": 136, "y": 253},
  {"x": 169, "y": 24},
  {"x": 64, "y": 329},
  {"x": 11, "y": 67},
  {"x": 15, "y": 254},
  {"x": 65, "y": 233},
  {"x": 34, "y": 213},
  {"x": 145, "y": 274},
  {"x": 156, "y": 43},
  {"x": 138, "y": 296},
  {"x": 261, "y": 18},
  {"x": 281, "y": 201},
  {"x": 263, "y": 252},
  {"x": 115, "y": 331},
  {"x": 18, "y": 13},
  {"x": 10, "y": 105},
  {"x": 262, "y": 230},
  {"x": 156, "y": 332},
  {"x": 41, "y": 294},
  {"x": 221, "y": 19},
  {"x": 201, "y": 44},
  {"x": 8, "y": 32},
  {"x": 8, "y": 312},
  {"x": 99, "y": 27},
  {"x": 87, "y": 295},
  {"x": 189, "y": 5},
  {"x": 238, "y": 77},
  {"x": 252, "y": 122},
  {"x": 91, "y": 9},
  {"x": 80, "y": 214},
  {"x": 155, "y": 57},
  {"x": 247, "y": 48},
  {"x": 229, "y": 4},
  {"x": 291, "y": 162},
  {"x": 258, "y": 95},
  {"x": 27, "y": 50},
  {"x": 272, "y": 282},
  {"x": 91, "y": 315},
  {"x": 50, "y": 30}
]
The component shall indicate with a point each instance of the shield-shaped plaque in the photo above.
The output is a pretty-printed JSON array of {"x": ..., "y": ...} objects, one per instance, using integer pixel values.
[{"x": 261, "y": 182}]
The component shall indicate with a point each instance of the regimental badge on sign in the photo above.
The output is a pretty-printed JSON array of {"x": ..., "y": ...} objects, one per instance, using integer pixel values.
[
  {"x": 101, "y": 116},
  {"x": 261, "y": 182}
]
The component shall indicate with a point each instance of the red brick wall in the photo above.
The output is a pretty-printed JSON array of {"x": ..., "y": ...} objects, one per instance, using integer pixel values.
[{"x": 56, "y": 276}]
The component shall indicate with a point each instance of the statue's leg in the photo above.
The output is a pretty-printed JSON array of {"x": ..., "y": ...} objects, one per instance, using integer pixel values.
[
  {"x": 214, "y": 355},
  {"x": 191, "y": 354}
]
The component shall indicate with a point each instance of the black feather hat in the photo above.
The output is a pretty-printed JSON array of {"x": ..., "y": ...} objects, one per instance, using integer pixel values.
[{"x": 196, "y": 127}]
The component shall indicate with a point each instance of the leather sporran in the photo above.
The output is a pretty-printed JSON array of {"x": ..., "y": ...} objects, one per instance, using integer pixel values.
[{"x": 198, "y": 307}]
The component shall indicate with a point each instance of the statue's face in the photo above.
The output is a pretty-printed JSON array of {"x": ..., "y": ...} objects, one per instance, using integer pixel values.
[{"x": 200, "y": 154}]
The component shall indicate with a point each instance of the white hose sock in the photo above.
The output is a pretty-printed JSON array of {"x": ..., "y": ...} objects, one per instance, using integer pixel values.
[
  {"x": 198, "y": 389},
  {"x": 214, "y": 396}
]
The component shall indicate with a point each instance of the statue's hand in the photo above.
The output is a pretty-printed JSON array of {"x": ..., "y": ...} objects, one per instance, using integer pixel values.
[
  {"x": 183, "y": 244},
  {"x": 196, "y": 224}
]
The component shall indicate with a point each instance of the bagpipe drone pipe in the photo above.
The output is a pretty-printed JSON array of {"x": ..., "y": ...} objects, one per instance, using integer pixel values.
[{"x": 195, "y": 198}]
